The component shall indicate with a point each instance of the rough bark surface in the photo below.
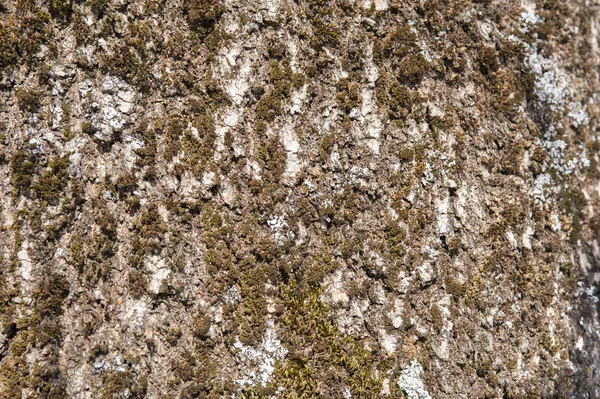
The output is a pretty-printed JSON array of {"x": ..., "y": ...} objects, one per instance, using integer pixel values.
[{"x": 299, "y": 199}]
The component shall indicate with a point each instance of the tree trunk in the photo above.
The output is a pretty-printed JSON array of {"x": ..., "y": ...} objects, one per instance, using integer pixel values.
[{"x": 299, "y": 199}]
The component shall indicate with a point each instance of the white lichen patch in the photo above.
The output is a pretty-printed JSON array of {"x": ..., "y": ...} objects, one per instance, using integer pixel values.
[
  {"x": 190, "y": 187},
  {"x": 542, "y": 190},
  {"x": 225, "y": 122},
  {"x": 134, "y": 313},
  {"x": 388, "y": 342},
  {"x": 131, "y": 145},
  {"x": 578, "y": 114},
  {"x": 291, "y": 145},
  {"x": 107, "y": 108},
  {"x": 551, "y": 83},
  {"x": 228, "y": 57},
  {"x": 357, "y": 174},
  {"x": 273, "y": 9},
  {"x": 379, "y": 5},
  {"x": 441, "y": 343},
  {"x": 527, "y": 234},
  {"x": 159, "y": 271},
  {"x": 529, "y": 18},
  {"x": 370, "y": 124},
  {"x": 555, "y": 221},
  {"x": 25, "y": 263},
  {"x": 425, "y": 52},
  {"x": 57, "y": 113},
  {"x": 370, "y": 120},
  {"x": 334, "y": 289},
  {"x": 297, "y": 100},
  {"x": 432, "y": 160},
  {"x": 549, "y": 88},
  {"x": 444, "y": 305},
  {"x": 396, "y": 314},
  {"x": 235, "y": 68},
  {"x": 426, "y": 272},
  {"x": 410, "y": 382},
  {"x": 238, "y": 86},
  {"x": 279, "y": 228},
  {"x": 443, "y": 219},
  {"x": 510, "y": 236},
  {"x": 232, "y": 295},
  {"x": 558, "y": 159},
  {"x": 259, "y": 362}
]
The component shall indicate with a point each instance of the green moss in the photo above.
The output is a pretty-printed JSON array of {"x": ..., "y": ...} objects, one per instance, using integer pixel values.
[
  {"x": 324, "y": 34},
  {"x": 68, "y": 133},
  {"x": 154, "y": 7},
  {"x": 183, "y": 367},
  {"x": 419, "y": 152},
  {"x": 115, "y": 383},
  {"x": 216, "y": 94},
  {"x": 307, "y": 324},
  {"x": 29, "y": 99},
  {"x": 22, "y": 37},
  {"x": 401, "y": 98},
  {"x": 23, "y": 166},
  {"x": 175, "y": 134},
  {"x": 270, "y": 105},
  {"x": 60, "y": 9},
  {"x": 88, "y": 128},
  {"x": 201, "y": 325},
  {"x": 267, "y": 109},
  {"x": 272, "y": 158},
  {"x": 106, "y": 27},
  {"x": 276, "y": 49},
  {"x": 326, "y": 146},
  {"x": 129, "y": 57},
  {"x": 50, "y": 294},
  {"x": 454, "y": 245},
  {"x": 413, "y": 68},
  {"x": 92, "y": 251},
  {"x": 508, "y": 90},
  {"x": 147, "y": 153},
  {"x": 202, "y": 15},
  {"x": 98, "y": 7},
  {"x": 396, "y": 237},
  {"x": 406, "y": 154},
  {"x": 436, "y": 316},
  {"x": 454, "y": 287},
  {"x": 127, "y": 62},
  {"x": 173, "y": 335},
  {"x": 316, "y": 268},
  {"x": 9, "y": 44},
  {"x": 396, "y": 45},
  {"x": 46, "y": 382},
  {"x": 396, "y": 98},
  {"x": 488, "y": 60},
  {"x": 149, "y": 231},
  {"x": 348, "y": 95},
  {"x": 138, "y": 283},
  {"x": 228, "y": 140},
  {"x": 99, "y": 349},
  {"x": 198, "y": 152},
  {"x": 553, "y": 14},
  {"x": 283, "y": 79},
  {"x": 51, "y": 185},
  {"x": 216, "y": 40},
  {"x": 574, "y": 201}
]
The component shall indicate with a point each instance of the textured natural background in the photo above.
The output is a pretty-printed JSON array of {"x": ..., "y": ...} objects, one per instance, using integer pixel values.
[{"x": 299, "y": 199}]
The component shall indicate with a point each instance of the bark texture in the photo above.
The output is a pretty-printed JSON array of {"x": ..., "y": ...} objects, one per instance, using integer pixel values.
[{"x": 299, "y": 199}]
